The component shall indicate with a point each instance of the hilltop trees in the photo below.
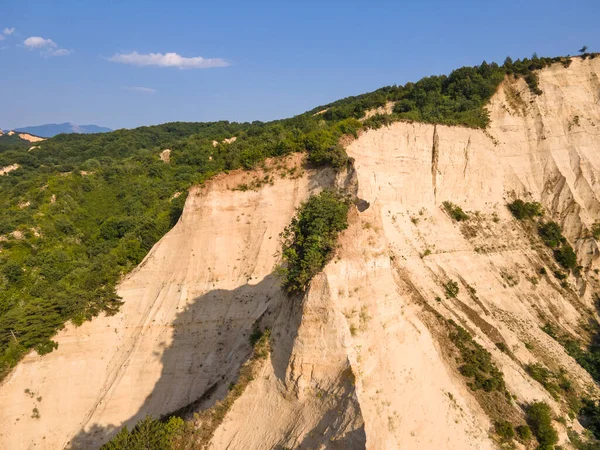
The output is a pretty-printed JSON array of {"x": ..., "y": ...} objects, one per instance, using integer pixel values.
[{"x": 456, "y": 99}]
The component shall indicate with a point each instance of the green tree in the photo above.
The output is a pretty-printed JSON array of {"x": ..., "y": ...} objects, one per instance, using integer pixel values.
[
  {"x": 311, "y": 237},
  {"x": 148, "y": 434},
  {"x": 539, "y": 417}
]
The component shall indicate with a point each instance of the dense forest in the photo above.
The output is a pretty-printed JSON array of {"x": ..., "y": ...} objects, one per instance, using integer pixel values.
[{"x": 83, "y": 210}]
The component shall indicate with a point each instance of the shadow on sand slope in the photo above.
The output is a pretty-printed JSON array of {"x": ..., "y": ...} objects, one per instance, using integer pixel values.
[{"x": 210, "y": 343}]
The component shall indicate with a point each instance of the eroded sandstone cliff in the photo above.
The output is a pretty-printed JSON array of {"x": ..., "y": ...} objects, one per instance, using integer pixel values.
[{"x": 363, "y": 359}]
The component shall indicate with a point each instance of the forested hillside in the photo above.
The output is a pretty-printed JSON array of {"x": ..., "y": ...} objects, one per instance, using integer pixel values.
[
  {"x": 12, "y": 141},
  {"x": 83, "y": 210}
]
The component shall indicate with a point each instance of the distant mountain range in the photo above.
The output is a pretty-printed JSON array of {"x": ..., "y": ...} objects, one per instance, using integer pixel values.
[{"x": 53, "y": 129}]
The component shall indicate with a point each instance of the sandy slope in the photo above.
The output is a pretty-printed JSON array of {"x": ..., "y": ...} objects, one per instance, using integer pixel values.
[
  {"x": 30, "y": 137},
  {"x": 8, "y": 169},
  {"x": 359, "y": 361}
]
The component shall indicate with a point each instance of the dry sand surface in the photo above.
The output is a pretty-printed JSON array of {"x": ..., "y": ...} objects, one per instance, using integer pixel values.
[
  {"x": 25, "y": 136},
  {"x": 361, "y": 360},
  {"x": 165, "y": 156},
  {"x": 7, "y": 169},
  {"x": 387, "y": 109},
  {"x": 30, "y": 138}
]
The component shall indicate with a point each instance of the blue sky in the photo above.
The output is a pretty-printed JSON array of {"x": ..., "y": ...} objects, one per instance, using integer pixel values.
[{"x": 90, "y": 61}]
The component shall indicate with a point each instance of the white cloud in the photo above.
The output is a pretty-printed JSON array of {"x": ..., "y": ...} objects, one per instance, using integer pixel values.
[
  {"x": 39, "y": 42},
  {"x": 142, "y": 90},
  {"x": 168, "y": 60},
  {"x": 47, "y": 46},
  {"x": 8, "y": 31},
  {"x": 60, "y": 52}
]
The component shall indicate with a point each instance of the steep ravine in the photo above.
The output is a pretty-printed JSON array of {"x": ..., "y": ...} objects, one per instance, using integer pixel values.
[{"x": 361, "y": 360}]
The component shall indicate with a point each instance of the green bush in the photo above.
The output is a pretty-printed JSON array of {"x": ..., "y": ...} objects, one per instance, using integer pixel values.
[
  {"x": 559, "y": 275},
  {"x": 523, "y": 433},
  {"x": 588, "y": 358},
  {"x": 550, "y": 330},
  {"x": 566, "y": 257},
  {"x": 477, "y": 363},
  {"x": 148, "y": 434},
  {"x": 551, "y": 234},
  {"x": 455, "y": 211},
  {"x": 505, "y": 430},
  {"x": 532, "y": 81},
  {"x": 555, "y": 384},
  {"x": 539, "y": 417},
  {"x": 585, "y": 441},
  {"x": 334, "y": 156},
  {"x": 502, "y": 347},
  {"x": 525, "y": 210},
  {"x": 311, "y": 237},
  {"x": 451, "y": 288},
  {"x": 596, "y": 230},
  {"x": 377, "y": 121},
  {"x": 590, "y": 416}
]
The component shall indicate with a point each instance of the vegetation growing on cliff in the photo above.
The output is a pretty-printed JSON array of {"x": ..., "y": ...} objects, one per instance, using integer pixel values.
[
  {"x": 588, "y": 358},
  {"x": 476, "y": 362},
  {"x": 555, "y": 383},
  {"x": 455, "y": 211},
  {"x": 148, "y": 434},
  {"x": 173, "y": 433},
  {"x": 525, "y": 210},
  {"x": 311, "y": 237},
  {"x": 550, "y": 232},
  {"x": 539, "y": 418}
]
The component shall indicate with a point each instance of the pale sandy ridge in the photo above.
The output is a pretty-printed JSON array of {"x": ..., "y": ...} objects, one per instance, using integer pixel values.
[
  {"x": 25, "y": 136},
  {"x": 8, "y": 169},
  {"x": 30, "y": 137}
]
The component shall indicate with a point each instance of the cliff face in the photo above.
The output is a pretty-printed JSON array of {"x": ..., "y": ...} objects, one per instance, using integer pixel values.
[
  {"x": 363, "y": 359},
  {"x": 374, "y": 309},
  {"x": 183, "y": 328}
]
